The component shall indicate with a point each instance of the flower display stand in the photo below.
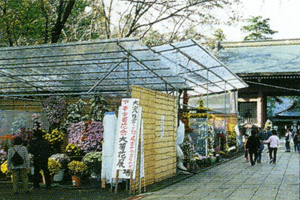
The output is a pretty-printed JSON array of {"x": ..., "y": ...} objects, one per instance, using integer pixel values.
[{"x": 76, "y": 181}]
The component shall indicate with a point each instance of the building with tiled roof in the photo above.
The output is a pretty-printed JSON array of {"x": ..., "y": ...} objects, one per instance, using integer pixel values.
[{"x": 271, "y": 68}]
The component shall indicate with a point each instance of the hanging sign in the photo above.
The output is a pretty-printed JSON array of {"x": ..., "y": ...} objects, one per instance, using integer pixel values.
[{"x": 127, "y": 137}]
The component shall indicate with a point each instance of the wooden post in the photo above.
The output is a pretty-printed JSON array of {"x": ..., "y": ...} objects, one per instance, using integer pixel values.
[
  {"x": 131, "y": 182},
  {"x": 103, "y": 180},
  {"x": 117, "y": 181}
]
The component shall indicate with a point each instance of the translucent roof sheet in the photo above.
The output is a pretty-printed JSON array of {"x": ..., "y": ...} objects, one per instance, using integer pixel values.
[
  {"x": 199, "y": 68},
  {"x": 262, "y": 59},
  {"x": 83, "y": 68},
  {"x": 111, "y": 66}
]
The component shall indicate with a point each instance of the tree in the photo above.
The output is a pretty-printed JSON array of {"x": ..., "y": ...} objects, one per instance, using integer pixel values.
[
  {"x": 64, "y": 10},
  {"x": 259, "y": 29},
  {"x": 214, "y": 44},
  {"x": 219, "y": 35},
  {"x": 25, "y": 22},
  {"x": 177, "y": 20},
  {"x": 19, "y": 24}
]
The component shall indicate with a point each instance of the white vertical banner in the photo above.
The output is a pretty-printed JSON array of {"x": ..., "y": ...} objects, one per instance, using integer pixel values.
[
  {"x": 142, "y": 161},
  {"x": 127, "y": 137}
]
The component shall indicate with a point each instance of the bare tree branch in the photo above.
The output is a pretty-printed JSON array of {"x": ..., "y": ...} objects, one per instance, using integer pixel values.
[{"x": 172, "y": 14}]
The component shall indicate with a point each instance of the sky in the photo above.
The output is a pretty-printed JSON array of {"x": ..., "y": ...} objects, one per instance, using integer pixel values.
[{"x": 284, "y": 17}]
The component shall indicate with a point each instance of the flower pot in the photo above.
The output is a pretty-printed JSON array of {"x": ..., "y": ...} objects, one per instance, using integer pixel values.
[
  {"x": 59, "y": 177},
  {"x": 76, "y": 181}
]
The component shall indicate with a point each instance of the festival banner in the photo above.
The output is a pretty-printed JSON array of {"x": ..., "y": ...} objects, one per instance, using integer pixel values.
[{"x": 127, "y": 137}]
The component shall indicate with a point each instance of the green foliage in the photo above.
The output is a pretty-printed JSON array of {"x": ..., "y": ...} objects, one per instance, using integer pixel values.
[
  {"x": 98, "y": 108},
  {"x": 219, "y": 35},
  {"x": 93, "y": 161},
  {"x": 76, "y": 113},
  {"x": 232, "y": 140},
  {"x": 259, "y": 29},
  {"x": 20, "y": 22},
  {"x": 30, "y": 22},
  {"x": 155, "y": 38}
]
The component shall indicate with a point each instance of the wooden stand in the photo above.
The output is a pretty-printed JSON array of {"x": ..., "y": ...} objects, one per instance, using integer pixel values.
[{"x": 130, "y": 182}]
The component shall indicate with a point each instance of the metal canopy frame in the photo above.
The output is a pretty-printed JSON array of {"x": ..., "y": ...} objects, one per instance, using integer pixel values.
[
  {"x": 199, "y": 68},
  {"x": 102, "y": 66},
  {"x": 110, "y": 67}
]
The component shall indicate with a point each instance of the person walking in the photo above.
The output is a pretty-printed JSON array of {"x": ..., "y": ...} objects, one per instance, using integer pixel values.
[
  {"x": 261, "y": 137},
  {"x": 19, "y": 171},
  {"x": 287, "y": 140},
  {"x": 245, "y": 139},
  {"x": 274, "y": 143},
  {"x": 40, "y": 149},
  {"x": 295, "y": 139},
  {"x": 268, "y": 134},
  {"x": 253, "y": 145},
  {"x": 298, "y": 142}
]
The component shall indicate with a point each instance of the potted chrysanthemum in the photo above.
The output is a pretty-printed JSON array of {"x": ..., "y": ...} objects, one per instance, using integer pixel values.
[
  {"x": 77, "y": 169},
  {"x": 93, "y": 161},
  {"x": 63, "y": 160},
  {"x": 5, "y": 170},
  {"x": 73, "y": 151},
  {"x": 55, "y": 139},
  {"x": 53, "y": 167}
]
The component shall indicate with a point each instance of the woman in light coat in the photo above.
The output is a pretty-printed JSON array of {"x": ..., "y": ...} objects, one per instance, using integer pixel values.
[{"x": 20, "y": 171}]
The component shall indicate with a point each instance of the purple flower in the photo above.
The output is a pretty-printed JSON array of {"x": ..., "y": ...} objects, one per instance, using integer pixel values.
[
  {"x": 88, "y": 137},
  {"x": 55, "y": 108}
]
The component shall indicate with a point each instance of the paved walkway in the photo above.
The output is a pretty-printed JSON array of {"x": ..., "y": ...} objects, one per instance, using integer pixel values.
[{"x": 237, "y": 180}]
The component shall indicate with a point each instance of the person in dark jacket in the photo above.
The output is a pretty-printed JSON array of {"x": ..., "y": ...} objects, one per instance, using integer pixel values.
[
  {"x": 261, "y": 137},
  {"x": 268, "y": 134},
  {"x": 295, "y": 139},
  {"x": 40, "y": 149},
  {"x": 253, "y": 145}
]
